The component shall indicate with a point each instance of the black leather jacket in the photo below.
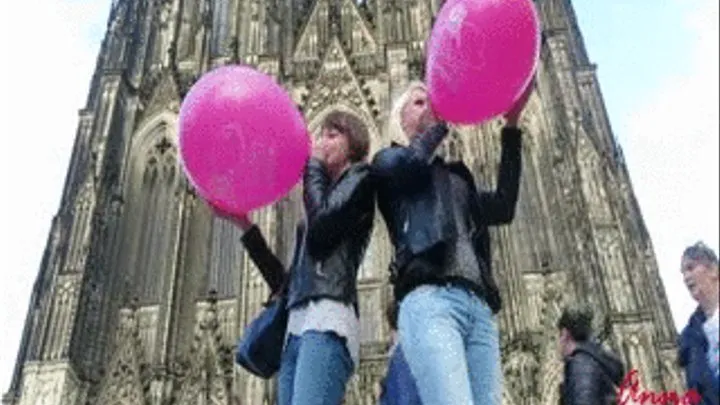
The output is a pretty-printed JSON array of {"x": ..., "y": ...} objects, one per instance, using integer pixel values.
[
  {"x": 414, "y": 198},
  {"x": 339, "y": 219},
  {"x": 591, "y": 376},
  {"x": 329, "y": 245},
  {"x": 692, "y": 357}
]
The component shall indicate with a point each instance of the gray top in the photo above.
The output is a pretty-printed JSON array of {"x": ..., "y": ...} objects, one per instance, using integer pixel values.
[{"x": 461, "y": 254}]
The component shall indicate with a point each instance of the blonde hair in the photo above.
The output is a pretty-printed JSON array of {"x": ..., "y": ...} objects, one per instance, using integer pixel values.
[{"x": 396, "y": 132}]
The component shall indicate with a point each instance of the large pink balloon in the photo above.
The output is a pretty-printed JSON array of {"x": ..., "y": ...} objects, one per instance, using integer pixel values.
[
  {"x": 481, "y": 56},
  {"x": 243, "y": 142}
]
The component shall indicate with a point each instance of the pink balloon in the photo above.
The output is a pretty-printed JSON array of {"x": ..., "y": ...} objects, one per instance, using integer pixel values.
[
  {"x": 481, "y": 56},
  {"x": 243, "y": 142}
]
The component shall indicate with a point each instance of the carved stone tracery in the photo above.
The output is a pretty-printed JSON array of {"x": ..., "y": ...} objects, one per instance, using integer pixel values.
[
  {"x": 124, "y": 383},
  {"x": 207, "y": 380}
]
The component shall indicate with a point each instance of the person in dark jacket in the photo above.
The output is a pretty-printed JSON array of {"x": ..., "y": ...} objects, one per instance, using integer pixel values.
[
  {"x": 321, "y": 349},
  {"x": 592, "y": 373},
  {"x": 698, "y": 348},
  {"x": 441, "y": 271},
  {"x": 398, "y": 387}
]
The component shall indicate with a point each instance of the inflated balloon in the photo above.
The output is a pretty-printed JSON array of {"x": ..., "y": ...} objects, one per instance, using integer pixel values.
[
  {"x": 243, "y": 142},
  {"x": 481, "y": 56}
]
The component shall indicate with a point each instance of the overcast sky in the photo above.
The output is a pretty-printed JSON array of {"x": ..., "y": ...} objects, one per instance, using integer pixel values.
[{"x": 658, "y": 68}]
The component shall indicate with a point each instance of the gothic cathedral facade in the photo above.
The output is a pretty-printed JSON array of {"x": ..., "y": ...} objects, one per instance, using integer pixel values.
[{"x": 142, "y": 293}]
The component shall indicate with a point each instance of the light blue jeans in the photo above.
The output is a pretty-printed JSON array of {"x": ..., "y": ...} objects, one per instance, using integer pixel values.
[
  {"x": 451, "y": 343},
  {"x": 314, "y": 369}
]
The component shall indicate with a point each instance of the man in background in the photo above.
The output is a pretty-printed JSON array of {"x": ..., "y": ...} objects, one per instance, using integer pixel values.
[
  {"x": 699, "y": 351},
  {"x": 591, "y": 372}
]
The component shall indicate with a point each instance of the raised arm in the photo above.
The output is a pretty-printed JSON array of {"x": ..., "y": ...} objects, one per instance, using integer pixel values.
[
  {"x": 332, "y": 214},
  {"x": 498, "y": 206},
  {"x": 271, "y": 269}
]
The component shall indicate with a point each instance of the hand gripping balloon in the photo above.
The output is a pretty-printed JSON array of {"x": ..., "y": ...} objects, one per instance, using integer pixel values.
[{"x": 481, "y": 56}]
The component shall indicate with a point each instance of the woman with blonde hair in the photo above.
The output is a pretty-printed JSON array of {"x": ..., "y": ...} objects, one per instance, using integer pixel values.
[{"x": 438, "y": 223}]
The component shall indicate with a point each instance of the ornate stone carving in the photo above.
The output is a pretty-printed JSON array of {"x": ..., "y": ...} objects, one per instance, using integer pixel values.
[
  {"x": 521, "y": 366},
  {"x": 208, "y": 379},
  {"x": 336, "y": 83},
  {"x": 164, "y": 96},
  {"x": 123, "y": 384}
]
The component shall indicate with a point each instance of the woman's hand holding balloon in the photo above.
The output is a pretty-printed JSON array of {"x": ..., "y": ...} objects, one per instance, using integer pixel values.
[
  {"x": 241, "y": 220},
  {"x": 513, "y": 115}
]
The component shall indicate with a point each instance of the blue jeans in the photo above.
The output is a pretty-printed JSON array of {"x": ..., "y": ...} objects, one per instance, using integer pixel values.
[
  {"x": 314, "y": 370},
  {"x": 399, "y": 386},
  {"x": 451, "y": 343}
]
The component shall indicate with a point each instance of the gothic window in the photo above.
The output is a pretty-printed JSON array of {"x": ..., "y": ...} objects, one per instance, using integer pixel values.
[
  {"x": 321, "y": 22},
  {"x": 227, "y": 252},
  {"x": 81, "y": 225},
  {"x": 254, "y": 37},
  {"x": 592, "y": 182},
  {"x": 620, "y": 279},
  {"x": 529, "y": 238},
  {"x": 156, "y": 218},
  {"x": 388, "y": 25},
  {"x": 347, "y": 21},
  {"x": 221, "y": 16},
  {"x": 416, "y": 21},
  {"x": 188, "y": 28},
  {"x": 273, "y": 42},
  {"x": 357, "y": 38},
  {"x": 399, "y": 24},
  {"x": 117, "y": 44}
]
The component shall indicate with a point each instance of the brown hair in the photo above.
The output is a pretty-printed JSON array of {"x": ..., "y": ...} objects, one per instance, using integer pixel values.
[
  {"x": 354, "y": 129},
  {"x": 578, "y": 322}
]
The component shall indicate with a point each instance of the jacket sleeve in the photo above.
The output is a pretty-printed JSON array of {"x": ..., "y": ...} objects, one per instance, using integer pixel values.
[
  {"x": 582, "y": 385},
  {"x": 270, "y": 267},
  {"x": 408, "y": 163},
  {"x": 330, "y": 215},
  {"x": 498, "y": 206}
]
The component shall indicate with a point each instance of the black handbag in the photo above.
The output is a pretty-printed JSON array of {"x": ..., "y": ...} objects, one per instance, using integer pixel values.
[{"x": 260, "y": 348}]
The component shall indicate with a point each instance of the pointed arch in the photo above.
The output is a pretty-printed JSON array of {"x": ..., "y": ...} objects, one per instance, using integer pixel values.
[
  {"x": 152, "y": 182},
  {"x": 145, "y": 134},
  {"x": 81, "y": 226}
]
